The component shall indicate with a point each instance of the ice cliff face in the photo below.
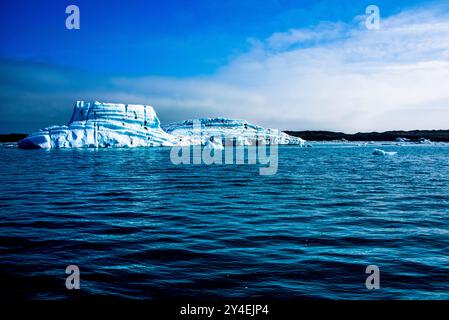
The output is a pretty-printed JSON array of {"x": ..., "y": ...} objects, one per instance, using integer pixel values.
[
  {"x": 97, "y": 124},
  {"x": 223, "y": 131}
]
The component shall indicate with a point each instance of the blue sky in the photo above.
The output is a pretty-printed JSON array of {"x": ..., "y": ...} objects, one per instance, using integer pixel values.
[
  {"x": 170, "y": 37},
  {"x": 233, "y": 58}
]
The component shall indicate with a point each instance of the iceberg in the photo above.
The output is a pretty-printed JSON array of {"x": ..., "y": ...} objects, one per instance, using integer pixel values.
[
  {"x": 226, "y": 131},
  {"x": 379, "y": 152},
  {"x": 98, "y": 124}
]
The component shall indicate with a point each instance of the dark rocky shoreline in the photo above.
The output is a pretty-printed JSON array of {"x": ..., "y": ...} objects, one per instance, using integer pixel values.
[
  {"x": 13, "y": 137},
  {"x": 414, "y": 136}
]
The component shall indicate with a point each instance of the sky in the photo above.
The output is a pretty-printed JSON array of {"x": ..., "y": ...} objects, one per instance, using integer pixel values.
[{"x": 287, "y": 64}]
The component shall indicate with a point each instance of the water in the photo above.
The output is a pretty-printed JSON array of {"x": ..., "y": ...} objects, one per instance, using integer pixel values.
[{"x": 139, "y": 227}]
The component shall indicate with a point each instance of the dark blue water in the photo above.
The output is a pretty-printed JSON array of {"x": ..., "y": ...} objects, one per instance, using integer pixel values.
[{"x": 139, "y": 227}]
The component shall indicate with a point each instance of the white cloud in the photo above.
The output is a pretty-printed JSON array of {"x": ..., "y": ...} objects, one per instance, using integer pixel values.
[
  {"x": 333, "y": 76},
  {"x": 323, "y": 32}
]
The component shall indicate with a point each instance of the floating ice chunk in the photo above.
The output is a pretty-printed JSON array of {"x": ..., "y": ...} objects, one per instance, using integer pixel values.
[{"x": 379, "y": 152}]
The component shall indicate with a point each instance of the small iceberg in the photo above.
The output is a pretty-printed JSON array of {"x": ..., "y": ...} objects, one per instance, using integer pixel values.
[{"x": 379, "y": 152}]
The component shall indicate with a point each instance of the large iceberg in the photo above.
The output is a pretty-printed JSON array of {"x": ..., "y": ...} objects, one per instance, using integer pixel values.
[
  {"x": 98, "y": 124},
  {"x": 226, "y": 131}
]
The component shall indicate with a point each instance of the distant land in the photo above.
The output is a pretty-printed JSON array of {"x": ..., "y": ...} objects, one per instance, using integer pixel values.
[
  {"x": 12, "y": 137},
  {"x": 414, "y": 135}
]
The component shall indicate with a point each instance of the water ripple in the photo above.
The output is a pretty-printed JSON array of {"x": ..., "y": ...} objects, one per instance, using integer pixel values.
[{"x": 140, "y": 227}]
